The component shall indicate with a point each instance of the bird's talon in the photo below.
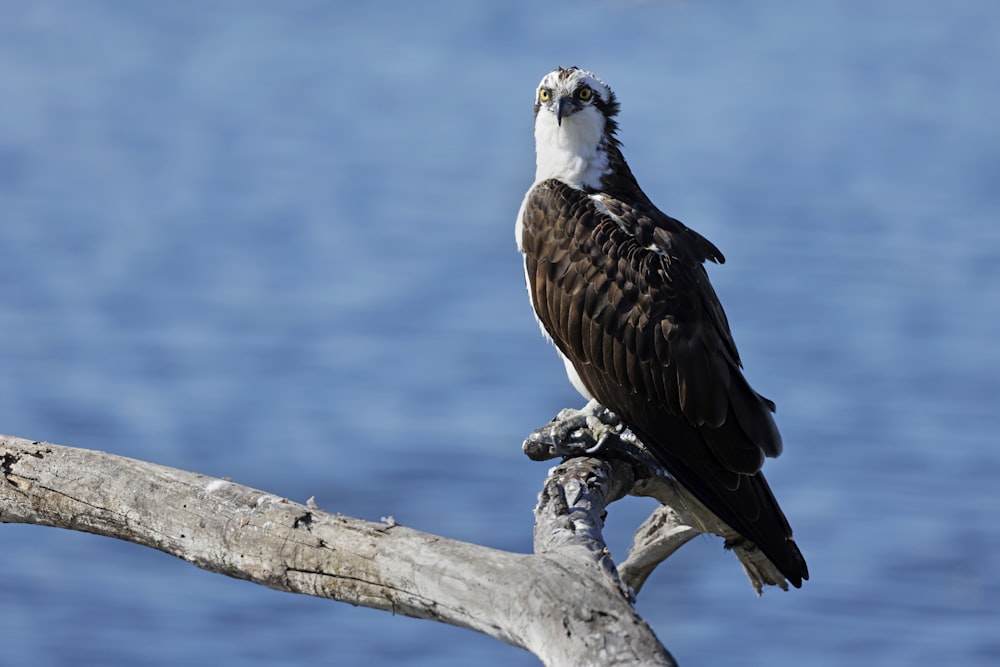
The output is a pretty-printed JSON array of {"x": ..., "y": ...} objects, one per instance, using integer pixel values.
[{"x": 600, "y": 444}]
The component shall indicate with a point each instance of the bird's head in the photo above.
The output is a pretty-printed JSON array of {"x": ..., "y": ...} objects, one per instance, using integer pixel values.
[
  {"x": 568, "y": 91},
  {"x": 574, "y": 126}
]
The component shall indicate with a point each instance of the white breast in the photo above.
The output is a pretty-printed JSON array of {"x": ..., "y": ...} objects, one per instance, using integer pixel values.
[{"x": 571, "y": 152}]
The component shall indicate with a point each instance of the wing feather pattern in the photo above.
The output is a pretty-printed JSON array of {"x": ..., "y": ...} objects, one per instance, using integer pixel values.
[{"x": 622, "y": 291}]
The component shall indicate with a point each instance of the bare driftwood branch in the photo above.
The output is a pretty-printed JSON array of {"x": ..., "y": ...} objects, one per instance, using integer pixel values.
[{"x": 565, "y": 603}]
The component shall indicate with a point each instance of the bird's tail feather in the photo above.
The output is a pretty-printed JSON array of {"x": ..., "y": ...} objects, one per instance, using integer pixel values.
[{"x": 748, "y": 507}]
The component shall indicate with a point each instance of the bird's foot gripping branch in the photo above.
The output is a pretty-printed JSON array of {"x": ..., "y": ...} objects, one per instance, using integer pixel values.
[{"x": 574, "y": 432}]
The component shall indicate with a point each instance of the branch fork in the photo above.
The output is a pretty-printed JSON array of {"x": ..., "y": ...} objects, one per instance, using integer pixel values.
[{"x": 579, "y": 436}]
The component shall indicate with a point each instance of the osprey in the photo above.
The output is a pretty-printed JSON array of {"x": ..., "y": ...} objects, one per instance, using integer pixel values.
[{"x": 622, "y": 291}]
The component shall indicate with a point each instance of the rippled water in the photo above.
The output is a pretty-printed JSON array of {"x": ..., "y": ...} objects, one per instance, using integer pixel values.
[{"x": 275, "y": 243}]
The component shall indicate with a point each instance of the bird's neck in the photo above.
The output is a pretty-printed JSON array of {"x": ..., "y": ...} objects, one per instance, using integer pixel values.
[{"x": 574, "y": 152}]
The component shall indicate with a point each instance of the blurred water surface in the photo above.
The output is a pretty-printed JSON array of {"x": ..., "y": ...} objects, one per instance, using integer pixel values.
[{"x": 275, "y": 242}]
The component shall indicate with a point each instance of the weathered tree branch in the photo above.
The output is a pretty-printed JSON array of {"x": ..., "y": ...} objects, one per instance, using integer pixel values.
[
  {"x": 564, "y": 603},
  {"x": 567, "y": 603}
]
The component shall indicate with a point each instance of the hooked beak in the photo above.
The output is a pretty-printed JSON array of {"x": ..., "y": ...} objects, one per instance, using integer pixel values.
[{"x": 562, "y": 109}]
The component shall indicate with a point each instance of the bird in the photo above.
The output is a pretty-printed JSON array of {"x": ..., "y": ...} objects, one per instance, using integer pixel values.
[{"x": 622, "y": 291}]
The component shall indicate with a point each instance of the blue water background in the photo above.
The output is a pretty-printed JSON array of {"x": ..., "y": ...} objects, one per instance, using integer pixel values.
[{"x": 274, "y": 241}]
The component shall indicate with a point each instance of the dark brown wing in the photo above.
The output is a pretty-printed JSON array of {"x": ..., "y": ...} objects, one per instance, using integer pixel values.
[{"x": 623, "y": 293}]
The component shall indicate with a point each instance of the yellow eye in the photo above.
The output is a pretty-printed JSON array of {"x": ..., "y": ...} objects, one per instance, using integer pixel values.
[
  {"x": 544, "y": 94},
  {"x": 584, "y": 94}
]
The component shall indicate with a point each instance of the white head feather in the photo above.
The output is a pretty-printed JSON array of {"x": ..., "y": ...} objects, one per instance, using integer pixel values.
[{"x": 572, "y": 147}]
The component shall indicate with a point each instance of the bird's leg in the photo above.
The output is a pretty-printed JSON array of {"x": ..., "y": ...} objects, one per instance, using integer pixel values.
[{"x": 574, "y": 433}]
